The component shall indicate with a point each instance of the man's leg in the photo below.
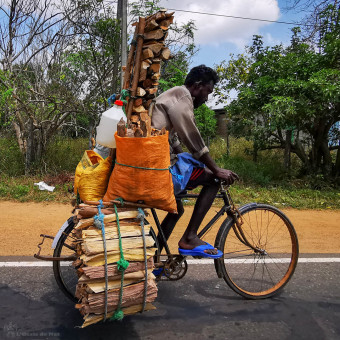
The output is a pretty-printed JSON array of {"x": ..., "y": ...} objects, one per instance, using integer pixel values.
[
  {"x": 169, "y": 222},
  {"x": 204, "y": 201}
]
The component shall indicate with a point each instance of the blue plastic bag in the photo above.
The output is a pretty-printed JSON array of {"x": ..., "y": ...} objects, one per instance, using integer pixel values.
[{"x": 182, "y": 170}]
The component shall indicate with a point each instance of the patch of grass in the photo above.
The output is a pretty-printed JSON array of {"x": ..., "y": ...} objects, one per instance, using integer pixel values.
[
  {"x": 22, "y": 189},
  {"x": 286, "y": 196},
  {"x": 62, "y": 154}
]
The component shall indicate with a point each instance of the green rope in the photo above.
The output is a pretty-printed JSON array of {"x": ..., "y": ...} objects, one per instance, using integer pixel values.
[
  {"x": 123, "y": 95},
  {"x": 122, "y": 264},
  {"x": 140, "y": 167}
]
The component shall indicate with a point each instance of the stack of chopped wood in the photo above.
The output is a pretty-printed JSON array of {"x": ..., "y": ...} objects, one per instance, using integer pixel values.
[
  {"x": 140, "y": 126},
  {"x": 143, "y": 68},
  {"x": 91, "y": 259}
]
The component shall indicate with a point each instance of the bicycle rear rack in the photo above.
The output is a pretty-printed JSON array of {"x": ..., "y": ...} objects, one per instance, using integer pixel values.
[{"x": 48, "y": 257}]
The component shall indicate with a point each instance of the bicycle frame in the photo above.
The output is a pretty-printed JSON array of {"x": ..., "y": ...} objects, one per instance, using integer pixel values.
[{"x": 227, "y": 208}]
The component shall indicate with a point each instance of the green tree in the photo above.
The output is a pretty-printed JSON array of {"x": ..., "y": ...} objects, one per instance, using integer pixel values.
[
  {"x": 206, "y": 121},
  {"x": 288, "y": 98}
]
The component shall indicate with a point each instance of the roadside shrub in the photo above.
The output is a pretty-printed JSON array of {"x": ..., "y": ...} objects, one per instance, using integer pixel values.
[{"x": 12, "y": 161}]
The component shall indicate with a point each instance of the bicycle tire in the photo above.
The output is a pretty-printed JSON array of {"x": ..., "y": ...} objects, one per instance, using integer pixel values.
[
  {"x": 263, "y": 272},
  {"x": 64, "y": 273}
]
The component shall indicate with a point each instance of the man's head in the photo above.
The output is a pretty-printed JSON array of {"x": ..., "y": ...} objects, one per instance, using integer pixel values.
[{"x": 200, "y": 82}]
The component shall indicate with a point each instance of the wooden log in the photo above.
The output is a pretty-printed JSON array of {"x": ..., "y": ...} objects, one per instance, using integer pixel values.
[
  {"x": 147, "y": 83},
  {"x": 166, "y": 23},
  {"x": 140, "y": 92},
  {"x": 169, "y": 15},
  {"x": 130, "y": 133},
  {"x": 107, "y": 218},
  {"x": 112, "y": 270},
  {"x": 156, "y": 76},
  {"x": 147, "y": 53},
  {"x": 145, "y": 65},
  {"x": 154, "y": 35},
  {"x": 145, "y": 123},
  {"x": 134, "y": 119},
  {"x": 155, "y": 68},
  {"x": 138, "y": 133},
  {"x": 165, "y": 53},
  {"x": 138, "y": 102},
  {"x": 160, "y": 16},
  {"x": 127, "y": 73},
  {"x": 121, "y": 128},
  {"x": 143, "y": 74},
  {"x": 139, "y": 49},
  {"x": 154, "y": 46},
  {"x": 92, "y": 247},
  {"x": 150, "y": 25},
  {"x": 147, "y": 103},
  {"x": 90, "y": 319},
  {"x": 138, "y": 109},
  {"x": 151, "y": 107},
  {"x": 152, "y": 90},
  {"x": 95, "y": 302}
]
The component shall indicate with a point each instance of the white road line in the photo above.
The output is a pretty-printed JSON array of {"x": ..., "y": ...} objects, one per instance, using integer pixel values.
[
  {"x": 269, "y": 260},
  {"x": 194, "y": 261}
]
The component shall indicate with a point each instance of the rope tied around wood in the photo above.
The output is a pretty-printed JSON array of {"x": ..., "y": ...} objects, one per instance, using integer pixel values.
[
  {"x": 99, "y": 223},
  {"x": 141, "y": 217},
  {"x": 122, "y": 264}
]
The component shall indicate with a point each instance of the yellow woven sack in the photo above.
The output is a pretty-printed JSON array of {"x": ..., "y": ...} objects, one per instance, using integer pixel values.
[{"x": 92, "y": 175}]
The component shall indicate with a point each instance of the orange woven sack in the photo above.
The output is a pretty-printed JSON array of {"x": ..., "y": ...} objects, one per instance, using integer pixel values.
[{"x": 151, "y": 184}]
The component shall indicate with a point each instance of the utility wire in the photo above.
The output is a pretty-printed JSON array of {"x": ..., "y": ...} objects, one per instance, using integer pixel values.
[{"x": 237, "y": 17}]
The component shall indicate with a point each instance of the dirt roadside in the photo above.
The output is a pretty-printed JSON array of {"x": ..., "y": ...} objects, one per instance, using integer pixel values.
[{"x": 22, "y": 223}]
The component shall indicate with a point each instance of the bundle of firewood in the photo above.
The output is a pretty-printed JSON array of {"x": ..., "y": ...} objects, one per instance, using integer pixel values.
[
  {"x": 90, "y": 267},
  {"x": 143, "y": 68}
]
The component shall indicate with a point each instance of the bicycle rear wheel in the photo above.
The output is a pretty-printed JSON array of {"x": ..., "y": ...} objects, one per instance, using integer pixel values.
[
  {"x": 260, "y": 263},
  {"x": 64, "y": 272}
]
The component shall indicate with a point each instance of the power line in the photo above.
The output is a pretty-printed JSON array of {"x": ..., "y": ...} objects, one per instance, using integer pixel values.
[{"x": 238, "y": 17}]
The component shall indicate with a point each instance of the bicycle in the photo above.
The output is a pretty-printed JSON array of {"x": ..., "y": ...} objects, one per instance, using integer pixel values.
[{"x": 259, "y": 244}]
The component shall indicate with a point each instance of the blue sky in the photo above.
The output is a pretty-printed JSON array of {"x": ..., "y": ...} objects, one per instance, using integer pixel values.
[{"x": 217, "y": 37}]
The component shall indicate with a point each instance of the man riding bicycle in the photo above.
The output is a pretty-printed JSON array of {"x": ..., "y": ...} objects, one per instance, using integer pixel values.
[{"x": 174, "y": 109}]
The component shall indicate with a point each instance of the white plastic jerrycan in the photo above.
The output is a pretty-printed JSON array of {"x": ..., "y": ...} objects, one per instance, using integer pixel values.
[{"x": 108, "y": 125}]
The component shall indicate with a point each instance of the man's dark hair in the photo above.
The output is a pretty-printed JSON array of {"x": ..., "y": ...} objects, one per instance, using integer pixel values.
[{"x": 201, "y": 73}]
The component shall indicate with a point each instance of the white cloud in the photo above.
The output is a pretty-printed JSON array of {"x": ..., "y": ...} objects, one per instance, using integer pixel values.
[{"x": 213, "y": 30}]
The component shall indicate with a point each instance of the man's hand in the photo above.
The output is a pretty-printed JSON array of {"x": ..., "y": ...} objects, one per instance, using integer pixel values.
[{"x": 227, "y": 176}]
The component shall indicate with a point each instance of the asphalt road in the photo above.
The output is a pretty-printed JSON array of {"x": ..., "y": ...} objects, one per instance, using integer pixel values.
[{"x": 200, "y": 306}]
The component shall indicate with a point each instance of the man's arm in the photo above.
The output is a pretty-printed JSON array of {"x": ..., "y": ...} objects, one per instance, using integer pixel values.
[
  {"x": 228, "y": 176},
  {"x": 177, "y": 149}
]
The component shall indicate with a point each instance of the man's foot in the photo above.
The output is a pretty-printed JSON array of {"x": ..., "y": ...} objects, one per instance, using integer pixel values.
[
  {"x": 200, "y": 251},
  {"x": 195, "y": 242}
]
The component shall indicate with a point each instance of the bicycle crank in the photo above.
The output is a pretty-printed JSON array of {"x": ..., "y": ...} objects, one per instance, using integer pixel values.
[{"x": 175, "y": 269}]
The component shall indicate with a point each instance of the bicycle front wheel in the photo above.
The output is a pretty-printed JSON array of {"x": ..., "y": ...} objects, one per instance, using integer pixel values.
[{"x": 260, "y": 257}]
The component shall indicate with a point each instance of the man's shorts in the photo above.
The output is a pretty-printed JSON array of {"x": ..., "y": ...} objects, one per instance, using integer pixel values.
[{"x": 194, "y": 180}]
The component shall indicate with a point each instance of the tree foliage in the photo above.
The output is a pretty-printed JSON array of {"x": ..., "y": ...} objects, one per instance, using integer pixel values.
[
  {"x": 288, "y": 97},
  {"x": 60, "y": 61}
]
